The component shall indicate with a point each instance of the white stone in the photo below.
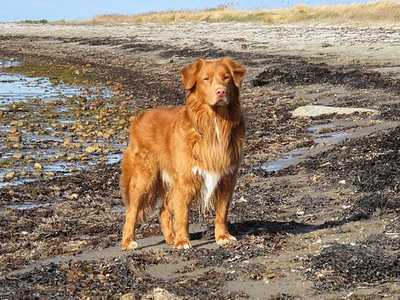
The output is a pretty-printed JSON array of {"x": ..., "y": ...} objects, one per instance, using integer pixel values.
[{"x": 319, "y": 110}]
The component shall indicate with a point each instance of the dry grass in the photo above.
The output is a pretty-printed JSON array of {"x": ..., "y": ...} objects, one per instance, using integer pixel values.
[{"x": 375, "y": 12}]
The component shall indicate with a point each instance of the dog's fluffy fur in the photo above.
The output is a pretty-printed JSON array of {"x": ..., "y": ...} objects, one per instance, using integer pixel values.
[{"x": 180, "y": 154}]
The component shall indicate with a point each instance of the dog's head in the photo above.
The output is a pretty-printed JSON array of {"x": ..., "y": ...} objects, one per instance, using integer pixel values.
[{"x": 215, "y": 81}]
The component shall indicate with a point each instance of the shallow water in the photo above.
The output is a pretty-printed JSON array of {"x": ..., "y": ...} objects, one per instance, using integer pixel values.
[
  {"x": 334, "y": 137},
  {"x": 9, "y": 63},
  {"x": 17, "y": 87},
  {"x": 44, "y": 143},
  {"x": 331, "y": 138},
  {"x": 64, "y": 168},
  {"x": 296, "y": 156},
  {"x": 27, "y": 206},
  {"x": 289, "y": 159}
]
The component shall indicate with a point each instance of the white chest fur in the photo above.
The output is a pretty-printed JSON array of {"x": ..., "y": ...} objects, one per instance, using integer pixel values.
[{"x": 210, "y": 183}]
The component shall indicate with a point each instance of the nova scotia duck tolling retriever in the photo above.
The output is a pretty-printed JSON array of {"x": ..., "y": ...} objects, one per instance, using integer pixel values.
[{"x": 185, "y": 154}]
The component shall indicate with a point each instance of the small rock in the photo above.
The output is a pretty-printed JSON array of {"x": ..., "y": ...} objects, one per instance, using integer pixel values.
[
  {"x": 129, "y": 296},
  {"x": 326, "y": 45},
  {"x": 320, "y": 110},
  {"x": 160, "y": 294},
  {"x": 73, "y": 246},
  {"x": 18, "y": 155},
  {"x": 14, "y": 137},
  {"x": 9, "y": 175},
  {"x": 38, "y": 166},
  {"x": 342, "y": 181},
  {"x": 16, "y": 145},
  {"x": 73, "y": 196},
  {"x": 242, "y": 200},
  {"x": 14, "y": 130},
  {"x": 92, "y": 149},
  {"x": 67, "y": 141}
]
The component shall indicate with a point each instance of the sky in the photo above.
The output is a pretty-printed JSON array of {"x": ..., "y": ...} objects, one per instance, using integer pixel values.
[{"x": 14, "y": 10}]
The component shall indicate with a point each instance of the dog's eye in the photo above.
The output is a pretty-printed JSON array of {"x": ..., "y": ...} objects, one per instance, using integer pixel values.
[
  {"x": 206, "y": 78},
  {"x": 226, "y": 77}
]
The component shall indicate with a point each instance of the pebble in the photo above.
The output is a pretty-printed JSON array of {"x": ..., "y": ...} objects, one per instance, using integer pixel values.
[
  {"x": 67, "y": 141},
  {"x": 320, "y": 110},
  {"x": 9, "y": 175},
  {"x": 38, "y": 166},
  {"x": 18, "y": 155},
  {"x": 160, "y": 294},
  {"x": 15, "y": 137},
  {"x": 92, "y": 149}
]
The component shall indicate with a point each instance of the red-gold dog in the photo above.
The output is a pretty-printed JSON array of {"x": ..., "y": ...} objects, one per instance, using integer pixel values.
[{"x": 180, "y": 154}]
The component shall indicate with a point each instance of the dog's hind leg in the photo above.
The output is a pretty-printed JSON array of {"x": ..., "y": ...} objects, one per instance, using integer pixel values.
[
  {"x": 140, "y": 195},
  {"x": 166, "y": 221}
]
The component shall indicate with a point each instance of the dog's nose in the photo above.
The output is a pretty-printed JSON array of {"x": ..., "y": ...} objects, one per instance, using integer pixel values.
[{"x": 221, "y": 92}]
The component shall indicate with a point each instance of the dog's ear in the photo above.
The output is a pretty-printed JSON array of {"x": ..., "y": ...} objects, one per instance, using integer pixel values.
[
  {"x": 189, "y": 74},
  {"x": 238, "y": 71}
]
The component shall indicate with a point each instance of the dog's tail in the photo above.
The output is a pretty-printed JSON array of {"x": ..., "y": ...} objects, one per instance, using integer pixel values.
[
  {"x": 127, "y": 167},
  {"x": 126, "y": 175}
]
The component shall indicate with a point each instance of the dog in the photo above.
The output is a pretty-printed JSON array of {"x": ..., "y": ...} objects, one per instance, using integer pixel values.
[{"x": 185, "y": 153}]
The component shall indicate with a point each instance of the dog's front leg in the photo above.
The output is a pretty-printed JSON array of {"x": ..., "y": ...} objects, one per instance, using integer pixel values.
[
  {"x": 181, "y": 197},
  {"x": 222, "y": 203}
]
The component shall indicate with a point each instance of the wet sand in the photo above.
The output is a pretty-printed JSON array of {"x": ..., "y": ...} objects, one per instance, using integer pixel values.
[{"x": 316, "y": 208}]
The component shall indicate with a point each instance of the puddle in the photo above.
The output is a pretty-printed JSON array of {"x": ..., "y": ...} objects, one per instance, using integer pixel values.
[
  {"x": 331, "y": 138},
  {"x": 118, "y": 209},
  {"x": 114, "y": 158},
  {"x": 316, "y": 129},
  {"x": 290, "y": 159},
  {"x": 27, "y": 206},
  {"x": 9, "y": 63},
  {"x": 35, "y": 138},
  {"x": 21, "y": 207},
  {"x": 26, "y": 173},
  {"x": 17, "y": 87},
  {"x": 294, "y": 157},
  {"x": 327, "y": 138}
]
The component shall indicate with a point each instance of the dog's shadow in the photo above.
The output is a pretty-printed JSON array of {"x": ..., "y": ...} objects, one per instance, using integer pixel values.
[
  {"x": 259, "y": 227},
  {"x": 263, "y": 227}
]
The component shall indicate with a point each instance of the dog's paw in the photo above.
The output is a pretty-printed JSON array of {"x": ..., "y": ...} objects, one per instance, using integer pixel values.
[
  {"x": 225, "y": 239},
  {"x": 170, "y": 240},
  {"x": 132, "y": 245},
  {"x": 183, "y": 245}
]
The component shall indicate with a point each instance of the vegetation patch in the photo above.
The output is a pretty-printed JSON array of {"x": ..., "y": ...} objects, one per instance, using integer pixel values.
[
  {"x": 57, "y": 73},
  {"x": 381, "y": 11},
  {"x": 371, "y": 163},
  {"x": 40, "y": 21},
  {"x": 304, "y": 73},
  {"x": 369, "y": 262}
]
